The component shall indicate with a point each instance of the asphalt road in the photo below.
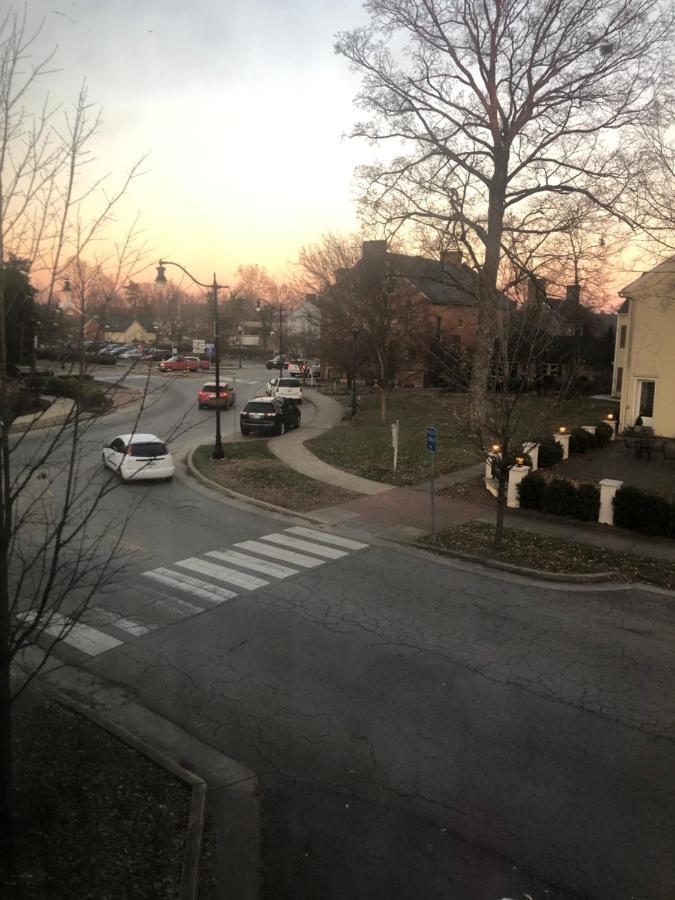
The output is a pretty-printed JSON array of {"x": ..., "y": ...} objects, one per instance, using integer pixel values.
[{"x": 421, "y": 729}]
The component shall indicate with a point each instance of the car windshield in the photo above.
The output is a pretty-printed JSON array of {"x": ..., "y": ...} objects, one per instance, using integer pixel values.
[
  {"x": 151, "y": 448},
  {"x": 259, "y": 407},
  {"x": 289, "y": 382}
]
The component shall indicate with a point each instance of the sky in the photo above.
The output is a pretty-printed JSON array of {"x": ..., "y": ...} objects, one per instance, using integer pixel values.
[{"x": 241, "y": 106}]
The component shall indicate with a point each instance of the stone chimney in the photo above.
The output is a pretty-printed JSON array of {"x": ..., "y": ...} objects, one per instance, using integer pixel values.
[
  {"x": 451, "y": 257},
  {"x": 573, "y": 294},
  {"x": 373, "y": 249},
  {"x": 536, "y": 290}
]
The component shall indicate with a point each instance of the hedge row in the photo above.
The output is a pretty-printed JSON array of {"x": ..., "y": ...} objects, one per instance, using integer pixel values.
[
  {"x": 84, "y": 390},
  {"x": 560, "y": 497},
  {"x": 76, "y": 356},
  {"x": 550, "y": 451},
  {"x": 646, "y": 513}
]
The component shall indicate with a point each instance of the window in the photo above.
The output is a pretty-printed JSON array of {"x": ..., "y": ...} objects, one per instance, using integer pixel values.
[
  {"x": 148, "y": 450},
  {"x": 647, "y": 389},
  {"x": 619, "y": 381},
  {"x": 622, "y": 336},
  {"x": 552, "y": 369}
]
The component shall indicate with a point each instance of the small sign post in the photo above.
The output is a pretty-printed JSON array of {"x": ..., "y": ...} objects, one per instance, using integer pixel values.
[
  {"x": 432, "y": 447},
  {"x": 394, "y": 441}
]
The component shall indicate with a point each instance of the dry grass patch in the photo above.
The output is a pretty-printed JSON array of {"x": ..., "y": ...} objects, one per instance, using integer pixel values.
[
  {"x": 522, "y": 548},
  {"x": 250, "y": 468}
]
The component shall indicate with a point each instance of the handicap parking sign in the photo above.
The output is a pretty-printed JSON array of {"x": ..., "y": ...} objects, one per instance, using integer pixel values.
[{"x": 432, "y": 439}]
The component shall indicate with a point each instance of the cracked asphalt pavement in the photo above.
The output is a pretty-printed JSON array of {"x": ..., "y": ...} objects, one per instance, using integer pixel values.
[{"x": 424, "y": 729}]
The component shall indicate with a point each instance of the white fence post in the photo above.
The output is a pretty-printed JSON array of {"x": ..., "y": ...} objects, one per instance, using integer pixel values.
[
  {"x": 516, "y": 475},
  {"x": 612, "y": 425},
  {"x": 564, "y": 441},
  {"x": 608, "y": 488}
]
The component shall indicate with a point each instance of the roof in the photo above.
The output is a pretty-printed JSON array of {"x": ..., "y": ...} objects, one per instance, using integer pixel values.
[
  {"x": 123, "y": 324},
  {"x": 139, "y": 438},
  {"x": 658, "y": 273}
]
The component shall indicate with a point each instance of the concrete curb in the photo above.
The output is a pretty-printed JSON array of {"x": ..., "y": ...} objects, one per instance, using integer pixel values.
[
  {"x": 243, "y": 498},
  {"x": 228, "y": 790},
  {"x": 581, "y": 578}
]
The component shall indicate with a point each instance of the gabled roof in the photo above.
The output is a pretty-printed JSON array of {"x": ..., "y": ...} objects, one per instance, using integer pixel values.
[
  {"x": 124, "y": 324},
  {"x": 659, "y": 275}
]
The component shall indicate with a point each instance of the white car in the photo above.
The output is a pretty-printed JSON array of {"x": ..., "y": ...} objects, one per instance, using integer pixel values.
[
  {"x": 139, "y": 456},
  {"x": 290, "y": 388},
  {"x": 130, "y": 354}
]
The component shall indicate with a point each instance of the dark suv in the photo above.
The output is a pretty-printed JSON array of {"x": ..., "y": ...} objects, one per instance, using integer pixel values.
[{"x": 269, "y": 414}]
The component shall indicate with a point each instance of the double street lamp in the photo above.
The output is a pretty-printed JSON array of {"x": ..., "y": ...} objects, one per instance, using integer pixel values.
[
  {"x": 258, "y": 308},
  {"x": 218, "y": 452}
]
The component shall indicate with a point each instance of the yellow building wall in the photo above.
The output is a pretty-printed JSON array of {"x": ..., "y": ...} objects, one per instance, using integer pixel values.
[{"x": 650, "y": 354}]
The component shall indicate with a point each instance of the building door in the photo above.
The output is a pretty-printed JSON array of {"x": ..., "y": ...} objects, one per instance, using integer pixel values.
[{"x": 645, "y": 401}]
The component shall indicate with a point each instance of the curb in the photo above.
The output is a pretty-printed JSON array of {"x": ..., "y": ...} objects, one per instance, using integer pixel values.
[
  {"x": 189, "y": 875},
  {"x": 581, "y": 578},
  {"x": 232, "y": 789},
  {"x": 243, "y": 498}
]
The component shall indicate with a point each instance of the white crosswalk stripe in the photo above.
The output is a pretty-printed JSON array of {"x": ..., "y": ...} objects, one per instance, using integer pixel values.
[
  {"x": 298, "y": 559},
  {"x": 98, "y": 616},
  {"x": 326, "y": 538},
  {"x": 89, "y": 640},
  {"x": 297, "y": 544},
  {"x": 249, "y": 562},
  {"x": 222, "y": 573},
  {"x": 203, "y": 589}
]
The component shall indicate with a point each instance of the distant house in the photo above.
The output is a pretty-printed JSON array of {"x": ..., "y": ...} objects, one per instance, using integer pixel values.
[
  {"x": 129, "y": 330},
  {"x": 303, "y": 327},
  {"x": 644, "y": 355}
]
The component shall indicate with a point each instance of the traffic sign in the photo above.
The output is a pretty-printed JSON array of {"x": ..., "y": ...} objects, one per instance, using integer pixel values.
[{"x": 432, "y": 439}]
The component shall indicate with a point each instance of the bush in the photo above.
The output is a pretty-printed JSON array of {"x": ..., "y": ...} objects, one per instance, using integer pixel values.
[
  {"x": 587, "y": 503},
  {"x": 93, "y": 397},
  {"x": 603, "y": 434},
  {"x": 560, "y": 497},
  {"x": 581, "y": 441},
  {"x": 531, "y": 491},
  {"x": 646, "y": 513},
  {"x": 550, "y": 453},
  {"x": 77, "y": 356}
]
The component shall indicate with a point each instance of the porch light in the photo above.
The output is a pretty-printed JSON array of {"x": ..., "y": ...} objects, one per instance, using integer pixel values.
[
  {"x": 563, "y": 429},
  {"x": 495, "y": 448},
  {"x": 609, "y": 416},
  {"x": 520, "y": 460}
]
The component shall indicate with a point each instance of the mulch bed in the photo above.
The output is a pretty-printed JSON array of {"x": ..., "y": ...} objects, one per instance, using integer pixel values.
[
  {"x": 522, "y": 548},
  {"x": 96, "y": 819}
]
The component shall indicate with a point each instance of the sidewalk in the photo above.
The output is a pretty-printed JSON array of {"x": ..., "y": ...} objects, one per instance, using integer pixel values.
[{"x": 404, "y": 513}]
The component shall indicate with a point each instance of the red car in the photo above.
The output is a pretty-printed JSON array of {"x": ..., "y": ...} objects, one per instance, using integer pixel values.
[
  {"x": 179, "y": 364},
  {"x": 227, "y": 397},
  {"x": 202, "y": 362}
]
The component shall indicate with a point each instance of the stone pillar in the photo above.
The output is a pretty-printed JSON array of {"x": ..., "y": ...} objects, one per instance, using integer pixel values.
[
  {"x": 516, "y": 475},
  {"x": 532, "y": 450},
  {"x": 612, "y": 425},
  {"x": 608, "y": 487},
  {"x": 564, "y": 441},
  {"x": 491, "y": 457}
]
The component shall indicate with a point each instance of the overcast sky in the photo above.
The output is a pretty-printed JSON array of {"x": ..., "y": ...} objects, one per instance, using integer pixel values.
[{"x": 241, "y": 105}]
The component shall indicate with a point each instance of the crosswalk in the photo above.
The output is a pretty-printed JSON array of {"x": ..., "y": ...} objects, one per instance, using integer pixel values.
[{"x": 194, "y": 584}]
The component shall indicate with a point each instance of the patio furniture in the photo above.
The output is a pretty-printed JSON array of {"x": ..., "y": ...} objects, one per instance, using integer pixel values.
[{"x": 632, "y": 446}]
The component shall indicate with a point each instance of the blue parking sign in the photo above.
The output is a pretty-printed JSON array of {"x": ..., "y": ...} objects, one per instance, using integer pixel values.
[{"x": 432, "y": 439}]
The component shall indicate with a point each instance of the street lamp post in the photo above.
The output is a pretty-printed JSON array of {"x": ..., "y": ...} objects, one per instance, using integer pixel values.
[
  {"x": 240, "y": 329},
  {"x": 258, "y": 309},
  {"x": 218, "y": 452}
]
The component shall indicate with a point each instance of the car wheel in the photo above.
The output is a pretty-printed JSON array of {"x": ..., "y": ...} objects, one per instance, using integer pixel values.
[
  {"x": 200, "y": 405},
  {"x": 169, "y": 478},
  {"x": 299, "y": 402},
  {"x": 244, "y": 431},
  {"x": 281, "y": 428}
]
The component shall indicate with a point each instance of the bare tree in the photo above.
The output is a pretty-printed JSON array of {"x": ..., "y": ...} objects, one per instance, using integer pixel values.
[
  {"x": 50, "y": 554},
  {"x": 499, "y": 105}
]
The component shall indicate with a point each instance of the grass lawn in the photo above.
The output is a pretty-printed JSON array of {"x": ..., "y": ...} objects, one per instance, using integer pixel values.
[
  {"x": 522, "y": 548},
  {"x": 364, "y": 447},
  {"x": 251, "y": 468}
]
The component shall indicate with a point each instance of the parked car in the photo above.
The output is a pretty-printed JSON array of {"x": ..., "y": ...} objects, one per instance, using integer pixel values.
[
  {"x": 275, "y": 362},
  {"x": 207, "y": 395},
  {"x": 130, "y": 354},
  {"x": 139, "y": 456},
  {"x": 295, "y": 367},
  {"x": 157, "y": 355},
  {"x": 290, "y": 388},
  {"x": 269, "y": 414},
  {"x": 179, "y": 364},
  {"x": 313, "y": 369},
  {"x": 200, "y": 362},
  {"x": 107, "y": 350}
]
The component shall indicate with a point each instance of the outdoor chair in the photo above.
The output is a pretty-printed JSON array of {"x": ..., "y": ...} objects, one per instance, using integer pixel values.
[{"x": 632, "y": 446}]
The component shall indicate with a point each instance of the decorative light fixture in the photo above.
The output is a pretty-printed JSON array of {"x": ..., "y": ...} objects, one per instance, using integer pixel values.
[
  {"x": 609, "y": 417},
  {"x": 495, "y": 448},
  {"x": 563, "y": 429},
  {"x": 520, "y": 460}
]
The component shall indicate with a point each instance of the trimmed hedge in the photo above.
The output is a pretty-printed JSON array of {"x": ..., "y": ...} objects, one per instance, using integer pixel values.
[
  {"x": 550, "y": 453},
  {"x": 75, "y": 356},
  {"x": 560, "y": 497},
  {"x": 646, "y": 513},
  {"x": 603, "y": 434},
  {"x": 581, "y": 440}
]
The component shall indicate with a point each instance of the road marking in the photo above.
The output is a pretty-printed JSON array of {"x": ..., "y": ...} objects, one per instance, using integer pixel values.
[
  {"x": 98, "y": 616},
  {"x": 222, "y": 573},
  {"x": 189, "y": 585},
  {"x": 296, "y": 544},
  {"x": 249, "y": 562},
  {"x": 298, "y": 559},
  {"x": 89, "y": 640},
  {"x": 326, "y": 538}
]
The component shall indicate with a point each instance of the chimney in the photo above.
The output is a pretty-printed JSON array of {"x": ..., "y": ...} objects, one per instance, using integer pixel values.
[
  {"x": 451, "y": 257},
  {"x": 373, "y": 249},
  {"x": 536, "y": 289},
  {"x": 573, "y": 293}
]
